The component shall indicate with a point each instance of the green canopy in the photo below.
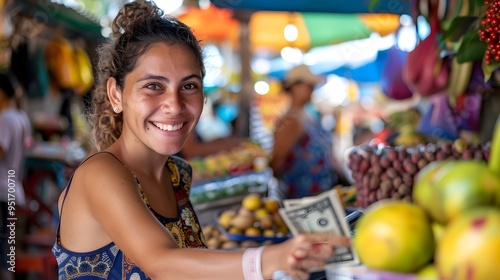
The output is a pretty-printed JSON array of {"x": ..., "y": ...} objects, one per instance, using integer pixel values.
[{"x": 59, "y": 16}]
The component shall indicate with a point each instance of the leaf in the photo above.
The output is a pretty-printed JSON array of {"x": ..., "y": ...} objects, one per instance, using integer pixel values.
[
  {"x": 471, "y": 48},
  {"x": 489, "y": 69},
  {"x": 373, "y": 4},
  {"x": 458, "y": 27},
  {"x": 479, "y": 3}
]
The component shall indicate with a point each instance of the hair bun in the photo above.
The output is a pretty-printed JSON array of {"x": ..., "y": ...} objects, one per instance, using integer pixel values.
[{"x": 133, "y": 13}]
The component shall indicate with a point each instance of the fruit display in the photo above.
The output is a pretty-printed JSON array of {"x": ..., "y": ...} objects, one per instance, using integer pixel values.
[
  {"x": 232, "y": 162},
  {"x": 447, "y": 189},
  {"x": 405, "y": 248},
  {"x": 256, "y": 219},
  {"x": 389, "y": 172},
  {"x": 455, "y": 206},
  {"x": 405, "y": 123},
  {"x": 217, "y": 239},
  {"x": 480, "y": 230},
  {"x": 230, "y": 187}
]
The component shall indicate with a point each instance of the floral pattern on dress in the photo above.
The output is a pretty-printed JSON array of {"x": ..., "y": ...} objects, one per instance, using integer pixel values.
[
  {"x": 308, "y": 168},
  {"x": 109, "y": 262}
]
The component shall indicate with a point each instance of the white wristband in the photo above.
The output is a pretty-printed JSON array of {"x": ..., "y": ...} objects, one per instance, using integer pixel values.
[{"x": 252, "y": 263}]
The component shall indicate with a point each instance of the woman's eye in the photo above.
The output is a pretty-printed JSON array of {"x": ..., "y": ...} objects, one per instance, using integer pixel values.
[
  {"x": 152, "y": 86},
  {"x": 190, "y": 86}
]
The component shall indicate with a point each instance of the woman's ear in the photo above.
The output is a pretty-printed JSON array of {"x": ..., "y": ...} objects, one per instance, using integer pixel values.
[{"x": 114, "y": 95}]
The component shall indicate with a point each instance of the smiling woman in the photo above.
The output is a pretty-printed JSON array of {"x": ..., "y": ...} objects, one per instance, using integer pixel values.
[{"x": 128, "y": 213}]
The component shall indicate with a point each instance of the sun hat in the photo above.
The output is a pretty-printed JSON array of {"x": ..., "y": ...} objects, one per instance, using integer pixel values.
[{"x": 300, "y": 73}]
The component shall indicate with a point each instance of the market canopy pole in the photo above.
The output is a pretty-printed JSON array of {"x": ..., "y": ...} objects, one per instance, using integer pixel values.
[{"x": 242, "y": 127}]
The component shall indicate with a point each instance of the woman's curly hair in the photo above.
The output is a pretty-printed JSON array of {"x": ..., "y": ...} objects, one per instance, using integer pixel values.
[{"x": 137, "y": 26}]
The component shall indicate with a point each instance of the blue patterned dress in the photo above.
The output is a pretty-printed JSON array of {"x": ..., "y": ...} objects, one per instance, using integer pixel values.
[
  {"x": 308, "y": 168},
  {"x": 109, "y": 262}
]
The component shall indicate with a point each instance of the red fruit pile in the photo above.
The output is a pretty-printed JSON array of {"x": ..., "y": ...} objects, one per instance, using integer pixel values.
[
  {"x": 488, "y": 31},
  {"x": 389, "y": 172}
]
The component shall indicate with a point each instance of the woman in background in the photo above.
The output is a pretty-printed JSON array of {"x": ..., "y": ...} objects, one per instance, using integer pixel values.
[{"x": 302, "y": 155}]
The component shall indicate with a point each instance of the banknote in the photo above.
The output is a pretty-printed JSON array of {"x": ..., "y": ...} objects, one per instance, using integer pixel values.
[{"x": 319, "y": 214}]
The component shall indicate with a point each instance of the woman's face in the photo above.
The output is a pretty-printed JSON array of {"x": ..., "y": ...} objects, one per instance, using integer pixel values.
[
  {"x": 302, "y": 92},
  {"x": 162, "y": 98}
]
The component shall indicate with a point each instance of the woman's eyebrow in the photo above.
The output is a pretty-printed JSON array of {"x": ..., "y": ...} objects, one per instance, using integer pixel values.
[
  {"x": 165, "y": 79},
  {"x": 154, "y": 77}
]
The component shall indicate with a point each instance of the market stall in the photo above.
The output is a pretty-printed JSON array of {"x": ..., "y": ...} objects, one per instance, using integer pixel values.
[
  {"x": 434, "y": 158},
  {"x": 47, "y": 48}
]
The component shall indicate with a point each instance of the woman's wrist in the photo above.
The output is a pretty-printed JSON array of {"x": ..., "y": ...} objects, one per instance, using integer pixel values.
[
  {"x": 252, "y": 263},
  {"x": 268, "y": 263}
]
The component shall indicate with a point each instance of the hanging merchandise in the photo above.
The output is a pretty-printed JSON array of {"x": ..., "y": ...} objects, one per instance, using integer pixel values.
[
  {"x": 391, "y": 78},
  {"x": 21, "y": 66},
  {"x": 86, "y": 75},
  {"x": 61, "y": 63},
  {"x": 467, "y": 106},
  {"x": 40, "y": 87},
  {"x": 439, "y": 120},
  {"x": 425, "y": 71}
]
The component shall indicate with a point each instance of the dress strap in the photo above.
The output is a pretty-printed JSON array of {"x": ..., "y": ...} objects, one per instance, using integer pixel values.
[{"x": 69, "y": 184}]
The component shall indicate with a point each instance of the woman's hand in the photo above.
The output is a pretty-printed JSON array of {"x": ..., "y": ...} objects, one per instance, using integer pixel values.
[{"x": 298, "y": 255}]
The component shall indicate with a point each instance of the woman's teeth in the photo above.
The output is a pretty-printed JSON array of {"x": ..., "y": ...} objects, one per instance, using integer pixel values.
[{"x": 169, "y": 127}]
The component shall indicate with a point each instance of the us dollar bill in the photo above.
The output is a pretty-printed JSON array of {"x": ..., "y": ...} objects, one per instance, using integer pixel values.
[{"x": 320, "y": 214}]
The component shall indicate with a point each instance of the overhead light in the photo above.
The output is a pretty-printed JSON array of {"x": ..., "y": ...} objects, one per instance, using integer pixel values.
[
  {"x": 292, "y": 55},
  {"x": 291, "y": 32},
  {"x": 261, "y": 87}
]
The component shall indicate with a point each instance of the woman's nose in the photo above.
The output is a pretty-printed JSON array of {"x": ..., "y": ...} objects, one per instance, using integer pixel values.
[{"x": 172, "y": 103}]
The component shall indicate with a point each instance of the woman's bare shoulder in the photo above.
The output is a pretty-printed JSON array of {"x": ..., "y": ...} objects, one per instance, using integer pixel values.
[
  {"x": 103, "y": 168},
  {"x": 289, "y": 125}
]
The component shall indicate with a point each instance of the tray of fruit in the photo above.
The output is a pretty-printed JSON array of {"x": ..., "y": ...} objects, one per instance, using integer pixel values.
[
  {"x": 230, "y": 186},
  {"x": 381, "y": 172},
  {"x": 257, "y": 219}
]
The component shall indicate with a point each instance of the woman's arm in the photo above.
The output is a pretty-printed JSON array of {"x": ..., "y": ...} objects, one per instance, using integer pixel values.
[
  {"x": 288, "y": 132},
  {"x": 116, "y": 205},
  {"x": 194, "y": 147}
]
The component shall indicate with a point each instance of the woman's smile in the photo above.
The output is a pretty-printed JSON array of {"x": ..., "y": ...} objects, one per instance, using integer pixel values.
[{"x": 168, "y": 127}]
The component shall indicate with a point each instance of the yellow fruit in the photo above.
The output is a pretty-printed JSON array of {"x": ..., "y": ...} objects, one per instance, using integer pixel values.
[
  {"x": 266, "y": 222},
  {"x": 455, "y": 187},
  {"x": 272, "y": 205},
  {"x": 252, "y": 202},
  {"x": 429, "y": 272},
  {"x": 259, "y": 213},
  {"x": 242, "y": 222},
  {"x": 244, "y": 212},
  {"x": 268, "y": 233},
  {"x": 470, "y": 246},
  {"x": 460, "y": 145},
  {"x": 225, "y": 218},
  {"x": 394, "y": 235},
  {"x": 252, "y": 231},
  {"x": 213, "y": 243},
  {"x": 235, "y": 230}
]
